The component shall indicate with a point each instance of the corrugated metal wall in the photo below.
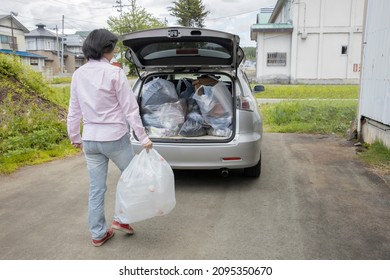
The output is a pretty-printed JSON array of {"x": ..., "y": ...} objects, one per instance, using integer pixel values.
[{"x": 374, "y": 100}]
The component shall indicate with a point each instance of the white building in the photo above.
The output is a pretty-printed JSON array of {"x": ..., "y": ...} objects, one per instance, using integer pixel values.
[
  {"x": 311, "y": 41},
  {"x": 374, "y": 98},
  {"x": 12, "y": 42}
]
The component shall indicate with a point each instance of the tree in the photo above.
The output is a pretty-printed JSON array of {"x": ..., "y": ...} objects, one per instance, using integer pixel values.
[
  {"x": 250, "y": 53},
  {"x": 189, "y": 12},
  {"x": 135, "y": 19}
]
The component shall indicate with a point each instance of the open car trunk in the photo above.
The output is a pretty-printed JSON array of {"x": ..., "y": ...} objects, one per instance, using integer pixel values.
[
  {"x": 187, "y": 107},
  {"x": 186, "y": 93}
]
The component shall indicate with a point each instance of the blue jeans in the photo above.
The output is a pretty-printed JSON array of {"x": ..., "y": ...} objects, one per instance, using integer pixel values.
[{"x": 97, "y": 155}]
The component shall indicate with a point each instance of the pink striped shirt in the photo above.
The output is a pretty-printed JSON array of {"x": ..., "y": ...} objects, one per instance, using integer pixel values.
[{"x": 101, "y": 96}]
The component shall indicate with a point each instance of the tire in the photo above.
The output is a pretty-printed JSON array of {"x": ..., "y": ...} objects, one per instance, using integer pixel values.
[{"x": 253, "y": 171}]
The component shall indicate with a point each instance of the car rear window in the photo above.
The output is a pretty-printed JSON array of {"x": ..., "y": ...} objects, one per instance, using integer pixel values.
[{"x": 176, "y": 49}]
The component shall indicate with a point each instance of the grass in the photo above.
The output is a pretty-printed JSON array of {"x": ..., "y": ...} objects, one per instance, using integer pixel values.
[
  {"x": 12, "y": 161},
  {"x": 60, "y": 96},
  {"x": 320, "y": 109},
  {"x": 60, "y": 80},
  {"x": 32, "y": 118},
  {"x": 377, "y": 156},
  {"x": 310, "y": 116},
  {"x": 310, "y": 92}
]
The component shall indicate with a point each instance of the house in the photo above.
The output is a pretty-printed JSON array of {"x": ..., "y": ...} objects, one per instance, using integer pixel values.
[
  {"x": 73, "y": 44},
  {"x": 374, "y": 97},
  {"x": 12, "y": 42},
  {"x": 317, "y": 41},
  {"x": 44, "y": 42}
]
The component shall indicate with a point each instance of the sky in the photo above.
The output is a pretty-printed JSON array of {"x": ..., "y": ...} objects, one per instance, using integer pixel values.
[{"x": 233, "y": 16}]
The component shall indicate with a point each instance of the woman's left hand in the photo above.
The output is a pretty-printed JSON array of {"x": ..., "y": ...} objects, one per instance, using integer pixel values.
[{"x": 148, "y": 145}]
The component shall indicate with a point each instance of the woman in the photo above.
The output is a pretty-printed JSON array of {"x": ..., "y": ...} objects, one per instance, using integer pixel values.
[{"x": 101, "y": 96}]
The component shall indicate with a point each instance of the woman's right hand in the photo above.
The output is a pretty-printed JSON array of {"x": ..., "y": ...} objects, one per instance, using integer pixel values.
[{"x": 148, "y": 145}]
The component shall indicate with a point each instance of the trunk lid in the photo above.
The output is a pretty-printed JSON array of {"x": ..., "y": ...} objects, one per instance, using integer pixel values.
[{"x": 183, "y": 48}]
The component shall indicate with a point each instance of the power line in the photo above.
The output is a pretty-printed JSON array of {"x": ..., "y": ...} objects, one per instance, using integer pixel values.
[
  {"x": 56, "y": 20},
  {"x": 120, "y": 6},
  {"x": 76, "y": 5},
  {"x": 235, "y": 15}
]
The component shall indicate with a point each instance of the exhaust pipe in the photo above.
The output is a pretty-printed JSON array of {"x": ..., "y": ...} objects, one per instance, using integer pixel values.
[{"x": 224, "y": 172}]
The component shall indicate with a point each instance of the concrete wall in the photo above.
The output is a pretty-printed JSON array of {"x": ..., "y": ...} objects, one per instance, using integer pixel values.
[
  {"x": 322, "y": 28},
  {"x": 271, "y": 43},
  {"x": 374, "y": 99}
]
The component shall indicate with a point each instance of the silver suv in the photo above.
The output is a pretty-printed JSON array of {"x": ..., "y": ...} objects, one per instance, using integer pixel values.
[{"x": 195, "y": 100}]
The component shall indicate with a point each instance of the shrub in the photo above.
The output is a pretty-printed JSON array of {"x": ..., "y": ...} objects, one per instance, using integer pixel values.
[{"x": 32, "y": 126}]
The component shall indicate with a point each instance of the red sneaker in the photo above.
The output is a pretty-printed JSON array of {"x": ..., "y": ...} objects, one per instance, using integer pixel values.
[
  {"x": 122, "y": 227},
  {"x": 97, "y": 243}
]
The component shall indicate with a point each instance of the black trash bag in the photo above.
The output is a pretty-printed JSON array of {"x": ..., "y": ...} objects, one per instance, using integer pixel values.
[
  {"x": 193, "y": 126},
  {"x": 185, "y": 89}
]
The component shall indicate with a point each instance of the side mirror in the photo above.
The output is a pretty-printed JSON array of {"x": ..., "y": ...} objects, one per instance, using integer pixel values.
[{"x": 258, "y": 88}]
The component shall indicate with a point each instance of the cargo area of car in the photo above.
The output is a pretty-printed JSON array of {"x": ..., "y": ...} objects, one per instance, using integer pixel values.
[{"x": 191, "y": 107}]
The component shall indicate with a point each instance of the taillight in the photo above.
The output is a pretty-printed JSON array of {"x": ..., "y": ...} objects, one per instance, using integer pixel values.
[{"x": 245, "y": 103}]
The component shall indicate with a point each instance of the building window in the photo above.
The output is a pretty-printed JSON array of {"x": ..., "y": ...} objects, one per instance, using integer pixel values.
[
  {"x": 6, "y": 41},
  {"x": 48, "y": 45},
  {"x": 4, "y": 38},
  {"x": 33, "y": 61},
  {"x": 344, "y": 49},
  {"x": 276, "y": 59}
]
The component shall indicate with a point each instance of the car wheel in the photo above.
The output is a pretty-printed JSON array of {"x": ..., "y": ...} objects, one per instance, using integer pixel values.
[{"x": 253, "y": 171}]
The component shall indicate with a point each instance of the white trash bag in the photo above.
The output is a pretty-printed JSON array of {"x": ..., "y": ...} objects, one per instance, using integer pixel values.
[{"x": 146, "y": 188}]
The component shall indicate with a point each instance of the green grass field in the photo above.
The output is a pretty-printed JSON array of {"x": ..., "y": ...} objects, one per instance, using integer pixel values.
[
  {"x": 310, "y": 92},
  {"x": 310, "y": 116},
  {"x": 320, "y": 108}
]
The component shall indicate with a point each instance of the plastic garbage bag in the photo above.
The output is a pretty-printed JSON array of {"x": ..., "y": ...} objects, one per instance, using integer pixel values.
[
  {"x": 216, "y": 106},
  {"x": 157, "y": 92},
  {"x": 168, "y": 115},
  {"x": 193, "y": 126},
  {"x": 160, "y": 132},
  {"x": 146, "y": 188},
  {"x": 215, "y": 100},
  {"x": 188, "y": 90},
  {"x": 224, "y": 132}
]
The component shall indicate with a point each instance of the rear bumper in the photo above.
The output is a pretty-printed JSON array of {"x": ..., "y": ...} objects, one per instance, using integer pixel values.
[{"x": 243, "y": 151}]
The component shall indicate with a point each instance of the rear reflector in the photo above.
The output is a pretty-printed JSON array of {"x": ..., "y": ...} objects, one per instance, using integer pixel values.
[{"x": 231, "y": 158}]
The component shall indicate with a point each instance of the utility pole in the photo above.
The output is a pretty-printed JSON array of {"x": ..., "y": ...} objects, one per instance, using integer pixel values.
[
  {"x": 58, "y": 49},
  {"x": 119, "y": 8},
  {"x": 62, "y": 46},
  {"x": 12, "y": 32}
]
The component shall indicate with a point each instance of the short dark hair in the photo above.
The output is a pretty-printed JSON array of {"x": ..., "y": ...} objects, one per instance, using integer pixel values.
[{"x": 99, "y": 42}]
